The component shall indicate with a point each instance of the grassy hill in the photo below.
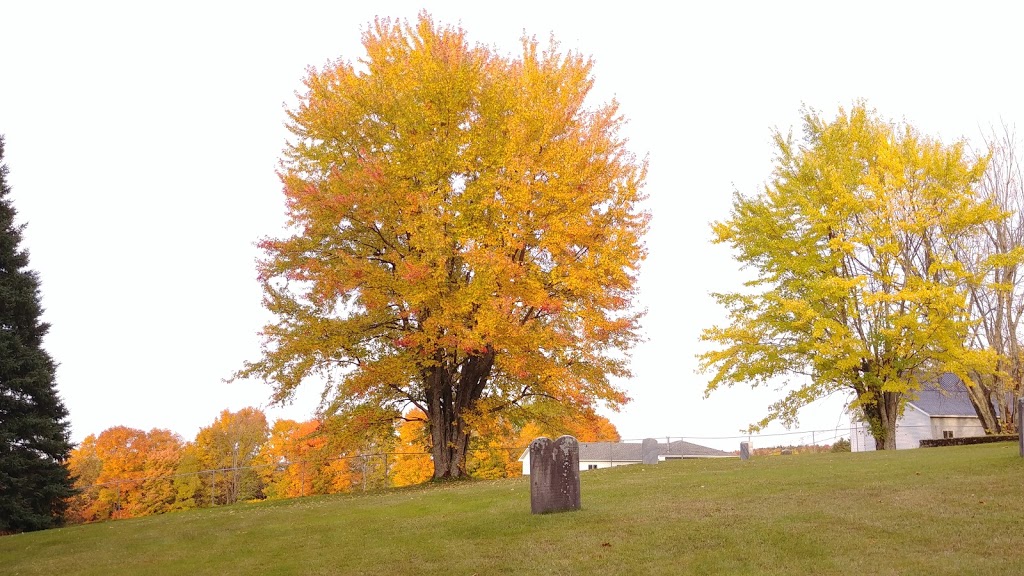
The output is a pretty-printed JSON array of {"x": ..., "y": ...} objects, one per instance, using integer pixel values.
[{"x": 929, "y": 511}]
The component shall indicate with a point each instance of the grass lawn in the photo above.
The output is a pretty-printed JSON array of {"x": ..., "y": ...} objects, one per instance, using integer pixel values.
[{"x": 956, "y": 510}]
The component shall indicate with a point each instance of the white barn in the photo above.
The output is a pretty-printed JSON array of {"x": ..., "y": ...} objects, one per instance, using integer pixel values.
[
  {"x": 941, "y": 409},
  {"x": 595, "y": 455}
]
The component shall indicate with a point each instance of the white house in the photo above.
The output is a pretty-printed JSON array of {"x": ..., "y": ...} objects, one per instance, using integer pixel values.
[
  {"x": 941, "y": 409},
  {"x": 594, "y": 455}
]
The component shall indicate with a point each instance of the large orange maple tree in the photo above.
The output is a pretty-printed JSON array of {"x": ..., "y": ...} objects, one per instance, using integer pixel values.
[{"x": 465, "y": 237}]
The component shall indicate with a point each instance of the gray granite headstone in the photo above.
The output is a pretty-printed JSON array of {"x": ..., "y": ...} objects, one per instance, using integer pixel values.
[
  {"x": 649, "y": 449},
  {"x": 554, "y": 475},
  {"x": 744, "y": 450},
  {"x": 1020, "y": 424}
]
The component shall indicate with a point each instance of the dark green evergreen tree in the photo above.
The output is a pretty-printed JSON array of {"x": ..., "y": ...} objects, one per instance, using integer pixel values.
[{"x": 34, "y": 433}]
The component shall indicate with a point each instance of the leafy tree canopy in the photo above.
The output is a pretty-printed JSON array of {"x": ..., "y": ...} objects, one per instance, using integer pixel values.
[
  {"x": 466, "y": 236},
  {"x": 857, "y": 286}
]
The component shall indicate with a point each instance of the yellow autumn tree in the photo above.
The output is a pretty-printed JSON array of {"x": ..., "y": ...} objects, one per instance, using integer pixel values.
[
  {"x": 466, "y": 236},
  {"x": 282, "y": 465},
  {"x": 997, "y": 300},
  {"x": 85, "y": 466},
  {"x": 192, "y": 485},
  {"x": 857, "y": 286},
  {"x": 585, "y": 427},
  {"x": 227, "y": 449},
  {"x": 492, "y": 448},
  {"x": 592, "y": 427},
  {"x": 296, "y": 460},
  {"x": 412, "y": 454}
]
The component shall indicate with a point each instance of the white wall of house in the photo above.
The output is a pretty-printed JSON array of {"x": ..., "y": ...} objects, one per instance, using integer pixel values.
[
  {"x": 664, "y": 457},
  {"x": 584, "y": 464},
  {"x": 960, "y": 426},
  {"x": 598, "y": 464},
  {"x": 915, "y": 426},
  {"x": 860, "y": 437},
  {"x": 911, "y": 428}
]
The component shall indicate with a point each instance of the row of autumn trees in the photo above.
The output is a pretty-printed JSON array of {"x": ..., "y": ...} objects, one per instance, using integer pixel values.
[
  {"x": 125, "y": 472},
  {"x": 880, "y": 259}
]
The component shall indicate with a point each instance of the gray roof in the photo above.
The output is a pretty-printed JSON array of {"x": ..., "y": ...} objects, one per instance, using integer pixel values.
[
  {"x": 633, "y": 451},
  {"x": 946, "y": 396},
  {"x": 617, "y": 451},
  {"x": 681, "y": 448}
]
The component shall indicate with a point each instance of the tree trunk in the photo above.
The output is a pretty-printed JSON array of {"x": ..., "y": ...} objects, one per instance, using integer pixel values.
[
  {"x": 450, "y": 393},
  {"x": 888, "y": 413},
  {"x": 980, "y": 395},
  {"x": 881, "y": 414},
  {"x": 449, "y": 436}
]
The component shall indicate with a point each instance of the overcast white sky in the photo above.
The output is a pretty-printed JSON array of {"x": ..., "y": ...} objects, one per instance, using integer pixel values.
[{"x": 142, "y": 140}]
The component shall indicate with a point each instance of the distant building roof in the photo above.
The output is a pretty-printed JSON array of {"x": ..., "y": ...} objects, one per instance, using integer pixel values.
[
  {"x": 681, "y": 448},
  {"x": 946, "y": 396},
  {"x": 617, "y": 451},
  {"x": 633, "y": 451}
]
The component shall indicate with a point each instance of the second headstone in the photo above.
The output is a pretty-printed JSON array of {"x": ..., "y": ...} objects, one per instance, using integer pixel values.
[{"x": 744, "y": 450}]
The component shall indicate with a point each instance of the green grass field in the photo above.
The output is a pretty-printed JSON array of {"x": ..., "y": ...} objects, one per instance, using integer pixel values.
[{"x": 928, "y": 511}]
